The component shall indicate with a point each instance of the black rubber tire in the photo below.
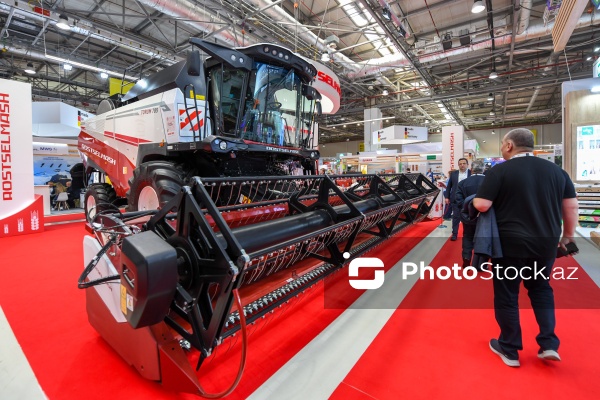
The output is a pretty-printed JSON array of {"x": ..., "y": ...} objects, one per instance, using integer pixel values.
[
  {"x": 103, "y": 196},
  {"x": 165, "y": 177}
]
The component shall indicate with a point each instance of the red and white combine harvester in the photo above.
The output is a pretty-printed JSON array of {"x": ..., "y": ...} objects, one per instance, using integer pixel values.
[{"x": 204, "y": 155}]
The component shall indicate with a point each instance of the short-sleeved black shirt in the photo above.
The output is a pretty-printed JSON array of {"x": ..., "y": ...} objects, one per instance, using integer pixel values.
[{"x": 527, "y": 194}]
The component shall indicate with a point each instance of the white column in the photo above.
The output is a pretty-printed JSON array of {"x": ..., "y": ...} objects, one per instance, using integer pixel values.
[{"x": 372, "y": 126}]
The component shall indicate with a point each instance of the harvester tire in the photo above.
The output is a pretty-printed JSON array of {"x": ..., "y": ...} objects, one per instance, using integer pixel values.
[
  {"x": 153, "y": 184},
  {"x": 99, "y": 197}
]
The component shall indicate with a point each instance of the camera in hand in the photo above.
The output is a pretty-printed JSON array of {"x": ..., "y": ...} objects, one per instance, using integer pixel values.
[{"x": 571, "y": 248}]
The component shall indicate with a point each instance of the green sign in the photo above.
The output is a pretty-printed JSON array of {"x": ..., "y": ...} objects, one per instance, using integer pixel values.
[{"x": 430, "y": 156}]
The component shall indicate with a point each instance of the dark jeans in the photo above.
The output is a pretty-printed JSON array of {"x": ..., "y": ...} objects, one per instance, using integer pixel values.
[
  {"x": 455, "y": 218},
  {"x": 467, "y": 241},
  {"x": 506, "y": 302}
]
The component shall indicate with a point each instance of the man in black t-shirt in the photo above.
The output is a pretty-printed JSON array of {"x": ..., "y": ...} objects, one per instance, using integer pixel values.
[{"x": 530, "y": 196}]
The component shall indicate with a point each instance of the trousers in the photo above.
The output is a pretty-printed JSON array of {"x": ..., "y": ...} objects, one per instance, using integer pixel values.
[
  {"x": 508, "y": 274},
  {"x": 455, "y": 218},
  {"x": 467, "y": 241}
]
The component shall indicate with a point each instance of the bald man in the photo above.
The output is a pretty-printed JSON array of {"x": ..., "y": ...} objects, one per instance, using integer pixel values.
[{"x": 530, "y": 196}]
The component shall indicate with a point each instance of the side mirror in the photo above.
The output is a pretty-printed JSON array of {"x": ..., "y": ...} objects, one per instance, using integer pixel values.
[
  {"x": 311, "y": 93},
  {"x": 193, "y": 63},
  {"x": 319, "y": 108}
]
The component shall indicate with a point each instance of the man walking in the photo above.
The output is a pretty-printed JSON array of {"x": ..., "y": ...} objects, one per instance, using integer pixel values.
[
  {"x": 530, "y": 196},
  {"x": 455, "y": 178},
  {"x": 465, "y": 189}
]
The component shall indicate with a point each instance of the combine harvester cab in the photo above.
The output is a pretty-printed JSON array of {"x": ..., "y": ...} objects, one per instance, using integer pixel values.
[{"x": 241, "y": 112}]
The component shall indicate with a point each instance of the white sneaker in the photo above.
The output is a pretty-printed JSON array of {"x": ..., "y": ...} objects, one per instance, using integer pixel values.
[
  {"x": 550, "y": 355},
  {"x": 495, "y": 347}
]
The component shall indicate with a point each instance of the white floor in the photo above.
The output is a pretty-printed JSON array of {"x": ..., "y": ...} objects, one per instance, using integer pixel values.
[{"x": 17, "y": 380}]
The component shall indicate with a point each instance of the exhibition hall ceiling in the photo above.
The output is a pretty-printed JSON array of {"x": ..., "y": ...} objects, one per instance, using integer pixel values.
[{"x": 422, "y": 62}]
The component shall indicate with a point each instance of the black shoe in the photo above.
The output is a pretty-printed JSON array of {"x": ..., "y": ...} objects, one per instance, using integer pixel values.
[
  {"x": 453, "y": 238},
  {"x": 466, "y": 262},
  {"x": 496, "y": 348},
  {"x": 550, "y": 355}
]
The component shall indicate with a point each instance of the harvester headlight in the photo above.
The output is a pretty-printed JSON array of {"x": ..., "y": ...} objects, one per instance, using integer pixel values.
[
  {"x": 312, "y": 155},
  {"x": 223, "y": 145}
]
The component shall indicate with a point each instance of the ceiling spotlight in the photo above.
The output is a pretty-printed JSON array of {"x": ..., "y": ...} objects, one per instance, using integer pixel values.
[
  {"x": 490, "y": 97},
  {"x": 67, "y": 67},
  {"x": 385, "y": 92},
  {"x": 493, "y": 74},
  {"x": 29, "y": 69},
  {"x": 409, "y": 109},
  {"x": 438, "y": 130},
  {"x": 589, "y": 58},
  {"x": 103, "y": 75},
  {"x": 492, "y": 113},
  {"x": 370, "y": 87},
  {"x": 426, "y": 121},
  {"x": 597, "y": 49},
  {"x": 477, "y": 7},
  {"x": 63, "y": 22},
  {"x": 484, "y": 141},
  {"x": 325, "y": 57}
]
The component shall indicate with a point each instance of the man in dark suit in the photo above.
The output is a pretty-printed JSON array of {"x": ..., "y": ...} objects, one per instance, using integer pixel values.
[
  {"x": 455, "y": 178},
  {"x": 466, "y": 188}
]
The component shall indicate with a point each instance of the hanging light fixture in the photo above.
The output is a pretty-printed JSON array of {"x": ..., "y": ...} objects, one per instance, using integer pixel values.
[
  {"x": 29, "y": 69},
  {"x": 493, "y": 132},
  {"x": 63, "y": 22},
  {"x": 67, "y": 67},
  {"x": 493, "y": 74},
  {"x": 325, "y": 57},
  {"x": 490, "y": 97},
  {"x": 385, "y": 92},
  {"x": 478, "y": 6},
  {"x": 492, "y": 113}
]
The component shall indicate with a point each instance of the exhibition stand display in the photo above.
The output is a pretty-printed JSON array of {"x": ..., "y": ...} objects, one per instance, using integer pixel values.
[{"x": 21, "y": 211}]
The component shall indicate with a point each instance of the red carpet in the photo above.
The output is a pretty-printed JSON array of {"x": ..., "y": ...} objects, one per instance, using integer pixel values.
[
  {"x": 39, "y": 296},
  {"x": 443, "y": 353}
]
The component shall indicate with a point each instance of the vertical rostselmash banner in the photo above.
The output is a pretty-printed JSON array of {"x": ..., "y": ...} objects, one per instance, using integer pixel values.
[
  {"x": 452, "y": 146},
  {"x": 16, "y": 162}
]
